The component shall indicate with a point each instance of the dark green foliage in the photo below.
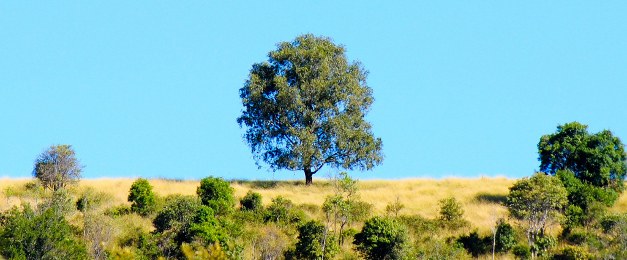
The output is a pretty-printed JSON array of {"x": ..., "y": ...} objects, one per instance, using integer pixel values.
[
  {"x": 206, "y": 226},
  {"x": 595, "y": 159},
  {"x": 505, "y": 236},
  {"x": 381, "y": 238},
  {"x": 26, "y": 234},
  {"x": 451, "y": 213},
  {"x": 572, "y": 253},
  {"x": 283, "y": 211},
  {"x": 587, "y": 202},
  {"x": 474, "y": 244},
  {"x": 141, "y": 197},
  {"x": 252, "y": 201},
  {"x": 305, "y": 108},
  {"x": 217, "y": 194},
  {"x": 176, "y": 216},
  {"x": 522, "y": 251},
  {"x": 315, "y": 242},
  {"x": 57, "y": 167}
]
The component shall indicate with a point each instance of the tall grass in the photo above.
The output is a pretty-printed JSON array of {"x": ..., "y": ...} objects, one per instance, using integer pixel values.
[{"x": 481, "y": 198}]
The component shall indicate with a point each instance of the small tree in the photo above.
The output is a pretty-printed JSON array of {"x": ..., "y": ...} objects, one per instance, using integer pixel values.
[
  {"x": 344, "y": 207},
  {"x": 141, "y": 197},
  {"x": 597, "y": 160},
  {"x": 314, "y": 242},
  {"x": 57, "y": 167},
  {"x": 451, "y": 213},
  {"x": 252, "y": 201},
  {"x": 536, "y": 201},
  {"x": 381, "y": 238},
  {"x": 217, "y": 194}
]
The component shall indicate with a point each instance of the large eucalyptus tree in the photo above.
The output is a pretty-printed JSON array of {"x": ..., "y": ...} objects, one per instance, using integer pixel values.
[{"x": 304, "y": 108}]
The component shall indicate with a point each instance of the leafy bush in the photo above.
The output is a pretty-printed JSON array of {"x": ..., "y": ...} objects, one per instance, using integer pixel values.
[
  {"x": 522, "y": 251},
  {"x": 505, "y": 236},
  {"x": 451, "y": 213},
  {"x": 475, "y": 244},
  {"x": 283, "y": 211},
  {"x": 141, "y": 197},
  {"x": 252, "y": 201},
  {"x": 26, "y": 234},
  {"x": 118, "y": 211},
  {"x": 207, "y": 227},
  {"x": 314, "y": 242},
  {"x": 381, "y": 238},
  {"x": 217, "y": 194},
  {"x": 572, "y": 253}
]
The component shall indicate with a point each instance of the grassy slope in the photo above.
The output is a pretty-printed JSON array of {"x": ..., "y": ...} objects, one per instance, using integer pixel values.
[{"x": 479, "y": 196}]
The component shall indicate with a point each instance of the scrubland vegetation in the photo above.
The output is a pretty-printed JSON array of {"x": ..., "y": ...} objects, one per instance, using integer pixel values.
[{"x": 120, "y": 229}]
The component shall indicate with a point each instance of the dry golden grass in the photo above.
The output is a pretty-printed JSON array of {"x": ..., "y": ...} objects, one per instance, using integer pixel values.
[{"x": 479, "y": 196}]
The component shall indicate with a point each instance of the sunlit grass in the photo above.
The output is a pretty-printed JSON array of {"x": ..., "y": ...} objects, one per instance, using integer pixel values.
[{"x": 481, "y": 197}]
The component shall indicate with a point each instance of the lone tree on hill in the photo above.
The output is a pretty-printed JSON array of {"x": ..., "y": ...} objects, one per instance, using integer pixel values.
[
  {"x": 304, "y": 108},
  {"x": 57, "y": 167}
]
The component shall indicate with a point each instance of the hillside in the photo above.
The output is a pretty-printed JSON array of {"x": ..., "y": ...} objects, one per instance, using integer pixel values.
[{"x": 481, "y": 197}]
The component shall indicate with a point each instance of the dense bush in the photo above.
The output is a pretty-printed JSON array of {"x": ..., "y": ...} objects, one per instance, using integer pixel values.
[
  {"x": 381, "y": 238},
  {"x": 217, "y": 194},
  {"x": 572, "y": 253},
  {"x": 522, "y": 251},
  {"x": 27, "y": 234},
  {"x": 141, "y": 197},
  {"x": 505, "y": 236},
  {"x": 252, "y": 201},
  {"x": 315, "y": 242},
  {"x": 283, "y": 211},
  {"x": 475, "y": 244}
]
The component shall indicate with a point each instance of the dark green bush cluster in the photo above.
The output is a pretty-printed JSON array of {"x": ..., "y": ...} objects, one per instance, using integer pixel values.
[
  {"x": 142, "y": 197},
  {"x": 217, "y": 194},
  {"x": 381, "y": 238},
  {"x": 252, "y": 201},
  {"x": 38, "y": 234}
]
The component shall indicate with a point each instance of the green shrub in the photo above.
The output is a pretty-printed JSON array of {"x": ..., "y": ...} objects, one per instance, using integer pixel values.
[
  {"x": 26, "y": 234},
  {"x": 474, "y": 244},
  {"x": 451, "y": 213},
  {"x": 252, "y": 201},
  {"x": 217, "y": 194},
  {"x": 314, "y": 242},
  {"x": 381, "y": 238},
  {"x": 118, "y": 211},
  {"x": 283, "y": 211},
  {"x": 141, "y": 197},
  {"x": 572, "y": 253},
  {"x": 505, "y": 236},
  {"x": 521, "y": 251}
]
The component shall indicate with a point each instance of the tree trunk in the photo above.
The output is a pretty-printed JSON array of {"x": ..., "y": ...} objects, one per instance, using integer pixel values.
[{"x": 308, "y": 177}]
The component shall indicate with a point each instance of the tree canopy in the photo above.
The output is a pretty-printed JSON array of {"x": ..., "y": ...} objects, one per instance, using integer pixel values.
[
  {"x": 304, "y": 108},
  {"x": 57, "y": 166},
  {"x": 596, "y": 159}
]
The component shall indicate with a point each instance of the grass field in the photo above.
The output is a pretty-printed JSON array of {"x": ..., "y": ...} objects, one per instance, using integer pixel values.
[{"x": 482, "y": 198}]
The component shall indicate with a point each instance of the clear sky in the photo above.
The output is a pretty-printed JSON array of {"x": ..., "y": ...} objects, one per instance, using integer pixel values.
[{"x": 150, "y": 88}]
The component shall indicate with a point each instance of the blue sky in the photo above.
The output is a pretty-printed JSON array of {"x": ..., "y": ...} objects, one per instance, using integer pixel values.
[{"x": 150, "y": 88}]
